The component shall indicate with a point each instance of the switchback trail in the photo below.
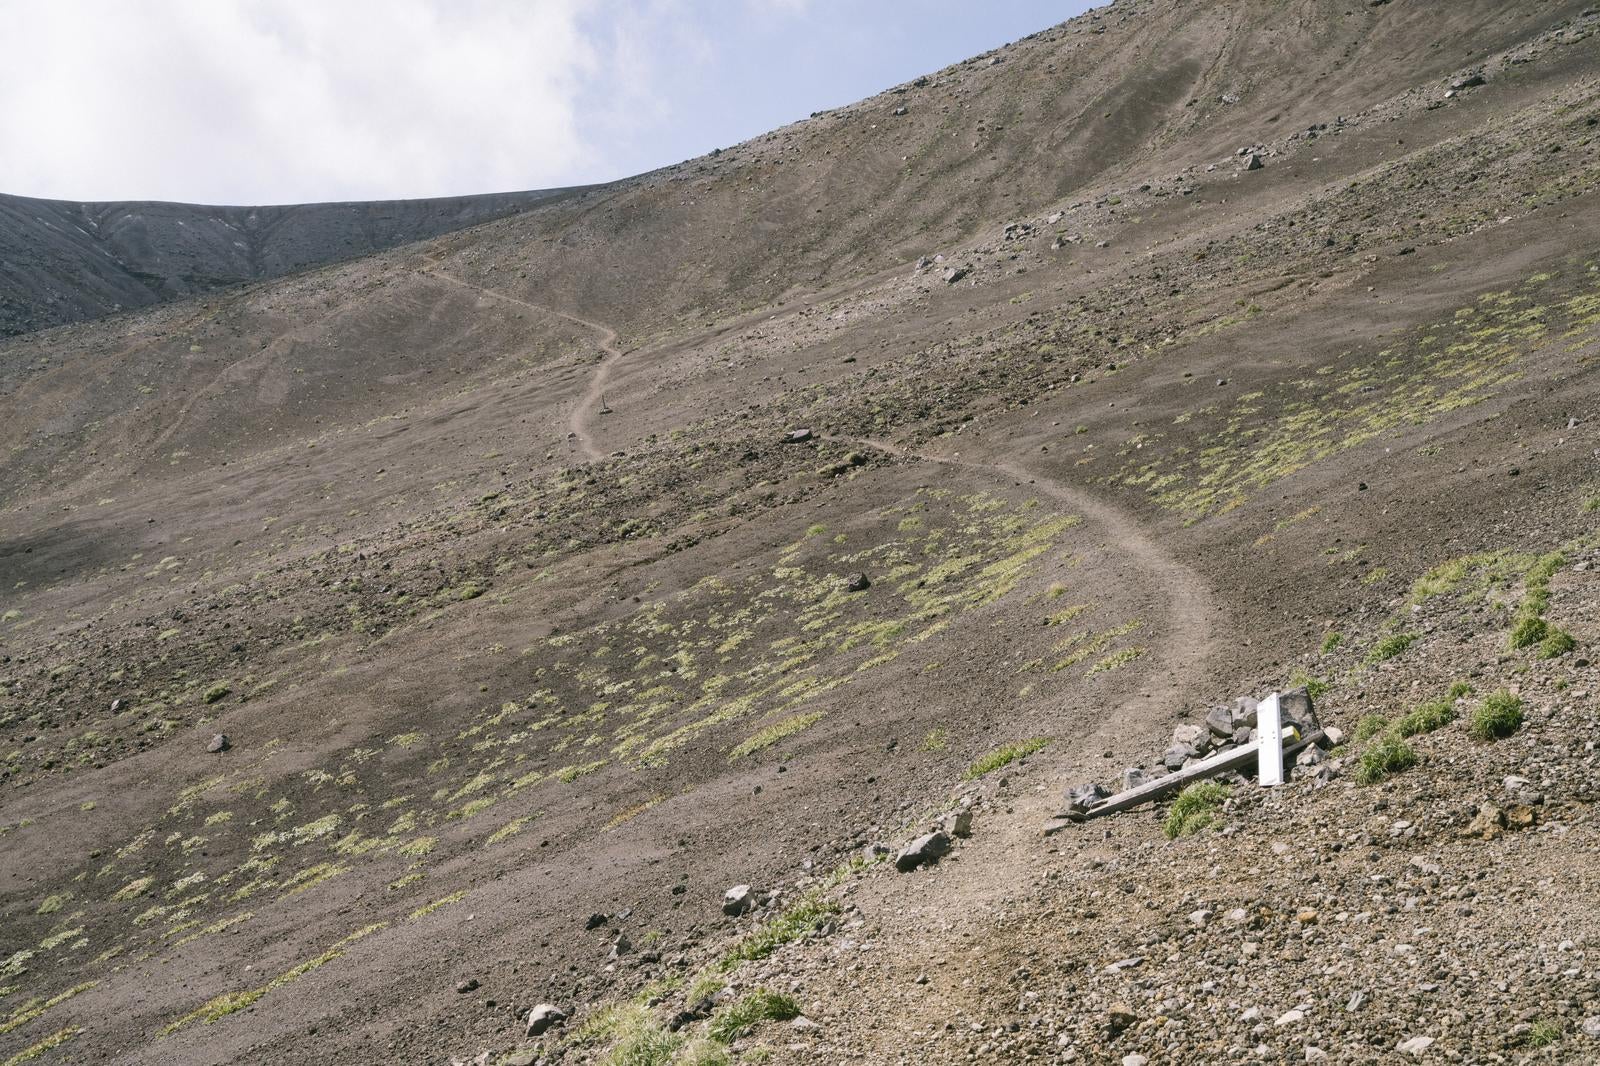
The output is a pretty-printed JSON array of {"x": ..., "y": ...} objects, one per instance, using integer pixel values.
[
  {"x": 1190, "y": 609},
  {"x": 578, "y": 422}
]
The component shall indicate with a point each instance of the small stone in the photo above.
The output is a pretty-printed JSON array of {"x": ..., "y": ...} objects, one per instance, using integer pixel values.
[
  {"x": 219, "y": 743},
  {"x": 798, "y": 436},
  {"x": 928, "y": 848},
  {"x": 952, "y": 275},
  {"x": 1315, "y": 1054},
  {"x": 1134, "y": 1059},
  {"x": 1253, "y": 162},
  {"x": 1354, "y": 1003},
  {"x": 959, "y": 823},
  {"x": 738, "y": 900},
  {"x": 1521, "y": 816},
  {"x": 1119, "y": 1016},
  {"x": 1487, "y": 823},
  {"x": 1306, "y": 916},
  {"x": 463, "y": 987},
  {"x": 1416, "y": 1047},
  {"x": 1591, "y": 1026},
  {"x": 1251, "y": 1015},
  {"x": 858, "y": 583},
  {"x": 596, "y": 920},
  {"x": 543, "y": 1017},
  {"x": 1201, "y": 918},
  {"x": 1290, "y": 1017}
]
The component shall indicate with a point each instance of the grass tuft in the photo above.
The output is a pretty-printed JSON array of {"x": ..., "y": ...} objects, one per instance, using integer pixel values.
[
  {"x": 1195, "y": 809},
  {"x": 1499, "y": 715},
  {"x": 800, "y": 920},
  {"x": 1004, "y": 756},
  {"x": 751, "y": 1010},
  {"x": 1389, "y": 647},
  {"x": 1425, "y": 718},
  {"x": 1387, "y": 754},
  {"x": 1370, "y": 726}
]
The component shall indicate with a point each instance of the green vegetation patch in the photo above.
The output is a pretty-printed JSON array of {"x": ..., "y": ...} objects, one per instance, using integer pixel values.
[
  {"x": 1195, "y": 809},
  {"x": 1426, "y": 717},
  {"x": 800, "y": 920},
  {"x": 774, "y": 733},
  {"x": 1004, "y": 756},
  {"x": 1387, "y": 754},
  {"x": 751, "y": 1010},
  {"x": 1499, "y": 715},
  {"x": 1390, "y": 646}
]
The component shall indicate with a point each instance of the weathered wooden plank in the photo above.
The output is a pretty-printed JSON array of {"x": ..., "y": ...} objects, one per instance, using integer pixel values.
[{"x": 1221, "y": 762}]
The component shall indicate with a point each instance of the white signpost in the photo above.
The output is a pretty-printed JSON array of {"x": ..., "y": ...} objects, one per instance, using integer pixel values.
[{"x": 1269, "y": 733}]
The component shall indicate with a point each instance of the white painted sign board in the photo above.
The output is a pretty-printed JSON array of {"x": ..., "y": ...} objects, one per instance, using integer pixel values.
[{"x": 1269, "y": 731}]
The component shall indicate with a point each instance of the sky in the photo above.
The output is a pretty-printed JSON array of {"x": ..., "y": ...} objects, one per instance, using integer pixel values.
[{"x": 291, "y": 101}]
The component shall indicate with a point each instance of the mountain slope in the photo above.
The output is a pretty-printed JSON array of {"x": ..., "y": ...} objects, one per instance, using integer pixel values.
[
  {"x": 66, "y": 262},
  {"x": 534, "y": 626}
]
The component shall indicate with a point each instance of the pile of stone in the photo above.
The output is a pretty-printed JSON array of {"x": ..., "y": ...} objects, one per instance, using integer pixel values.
[{"x": 1227, "y": 728}]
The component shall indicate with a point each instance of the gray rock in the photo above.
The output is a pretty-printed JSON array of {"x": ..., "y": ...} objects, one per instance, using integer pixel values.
[
  {"x": 1133, "y": 777},
  {"x": 1416, "y": 1047},
  {"x": 1591, "y": 1026},
  {"x": 1189, "y": 736},
  {"x": 738, "y": 900},
  {"x": 954, "y": 274},
  {"x": 928, "y": 848},
  {"x": 959, "y": 823},
  {"x": 798, "y": 436},
  {"x": 1082, "y": 798},
  {"x": 543, "y": 1017},
  {"x": 219, "y": 743},
  {"x": 622, "y": 947},
  {"x": 1471, "y": 81},
  {"x": 858, "y": 583},
  {"x": 1295, "y": 707},
  {"x": 463, "y": 987},
  {"x": 1252, "y": 162},
  {"x": 1244, "y": 712},
  {"x": 1220, "y": 721}
]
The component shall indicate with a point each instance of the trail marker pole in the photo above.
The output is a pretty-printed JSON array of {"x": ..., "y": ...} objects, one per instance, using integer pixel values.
[{"x": 1269, "y": 734}]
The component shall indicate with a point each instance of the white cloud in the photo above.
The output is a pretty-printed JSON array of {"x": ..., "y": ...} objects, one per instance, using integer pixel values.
[{"x": 289, "y": 100}]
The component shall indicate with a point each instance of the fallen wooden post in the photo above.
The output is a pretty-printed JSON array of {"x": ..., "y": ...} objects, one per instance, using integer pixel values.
[{"x": 1221, "y": 762}]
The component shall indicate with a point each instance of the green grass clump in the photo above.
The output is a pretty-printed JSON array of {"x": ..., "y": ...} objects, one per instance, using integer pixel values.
[
  {"x": 1004, "y": 756},
  {"x": 1556, "y": 643},
  {"x": 1544, "y": 1033},
  {"x": 1315, "y": 687},
  {"x": 1426, "y": 717},
  {"x": 54, "y": 1040},
  {"x": 937, "y": 740},
  {"x": 1499, "y": 715},
  {"x": 1591, "y": 505},
  {"x": 1387, "y": 754},
  {"x": 1459, "y": 689},
  {"x": 1195, "y": 809},
  {"x": 1389, "y": 647},
  {"x": 1370, "y": 726},
  {"x": 1526, "y": 631},
  {"x": 732, "y": 1022},
  {"x": 216, "y": 692},
  {"x": 802, "y": 919},
  {"x": 1331, "y": 641},
  {"x": 774, "y": 733}
]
